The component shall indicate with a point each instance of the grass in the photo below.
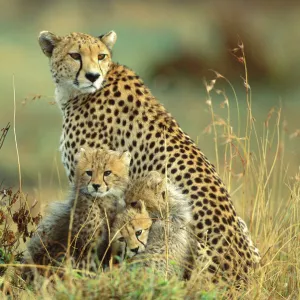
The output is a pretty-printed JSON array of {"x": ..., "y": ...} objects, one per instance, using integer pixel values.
[{"x": 265, "y": 194}]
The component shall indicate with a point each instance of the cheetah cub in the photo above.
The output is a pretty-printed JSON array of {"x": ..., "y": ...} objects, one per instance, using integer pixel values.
[
  {"x": 130, "y": 231},
  {"x": 80, "y": 225},
  {"x": 166, "y": 245}
]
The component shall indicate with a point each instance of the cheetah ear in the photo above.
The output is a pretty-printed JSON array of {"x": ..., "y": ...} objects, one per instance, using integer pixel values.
[
  {"x": 126, "y": 158},
  {"x": 155, "y": 181},
  {"x": 109, "y": 39},
  {"x": 48, "y": 41},
  {"x": 138, "y": 205},
  {"x": 81, "y": 153}
]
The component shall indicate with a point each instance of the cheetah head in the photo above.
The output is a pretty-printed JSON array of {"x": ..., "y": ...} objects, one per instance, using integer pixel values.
[
  {"x": 78, "y": 62},
  {"x": 131, "y": 231},
  {"x": 102, "y": 172}
]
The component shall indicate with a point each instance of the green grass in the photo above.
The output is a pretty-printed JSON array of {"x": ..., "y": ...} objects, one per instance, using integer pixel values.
[{"x": 119, "y": 283}]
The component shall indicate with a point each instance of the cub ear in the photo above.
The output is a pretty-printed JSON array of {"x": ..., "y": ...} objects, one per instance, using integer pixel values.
[
  {"x": 48, "y": 41},
  {"x": 109, "y": 39},
  {"x": 126, "y": 158},
  {"x": 138, "y": 205},
  {"x": 80, "y": 154},
  {"x": 155, "y": 180}
]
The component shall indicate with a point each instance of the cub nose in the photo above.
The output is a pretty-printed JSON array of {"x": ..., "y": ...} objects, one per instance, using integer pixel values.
[
  {"x": 135, "y": 250},
  {"x": 96, "y": 186},
  {"x": 92, "y": 77}
]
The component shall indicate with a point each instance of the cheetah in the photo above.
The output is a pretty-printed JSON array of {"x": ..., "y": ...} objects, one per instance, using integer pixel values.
[
  {"x": 106, "y": 103},
  {"x": 130, "y": 231},
  {"x": 168, "y": 246},
  {"x": 96, "y": 196}
]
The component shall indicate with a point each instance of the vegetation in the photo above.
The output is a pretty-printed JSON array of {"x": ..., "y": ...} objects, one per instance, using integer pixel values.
[{"x": 265, "y": 193}]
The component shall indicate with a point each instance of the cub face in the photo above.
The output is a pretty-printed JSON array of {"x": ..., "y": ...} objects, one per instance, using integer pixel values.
[
  {"x": 102, "y": 172},
  {"x": 131, "y": 230},
  {"x": 78, "y": 62}
]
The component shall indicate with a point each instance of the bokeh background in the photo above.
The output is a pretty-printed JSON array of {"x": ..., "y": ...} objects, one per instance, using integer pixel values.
[{"x": 173, "y": 45}]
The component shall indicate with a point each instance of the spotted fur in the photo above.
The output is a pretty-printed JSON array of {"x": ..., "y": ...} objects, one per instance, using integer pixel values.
[{"x": 124, "y": 115}]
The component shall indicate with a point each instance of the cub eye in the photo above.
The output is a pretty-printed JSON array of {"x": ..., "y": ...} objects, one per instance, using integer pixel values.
[
  {"x": 89, "y": 173},
  {"x": 138, "y": 233},
  {"x": 75, "y": 56},
  {"x": 107, "y": 173},
  {"x": 101, "y": 56},
  {"x": 121, "y": 239}
]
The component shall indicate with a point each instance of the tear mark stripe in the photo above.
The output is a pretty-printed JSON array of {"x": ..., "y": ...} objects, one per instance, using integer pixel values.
[{"x": 76, "y": 82}]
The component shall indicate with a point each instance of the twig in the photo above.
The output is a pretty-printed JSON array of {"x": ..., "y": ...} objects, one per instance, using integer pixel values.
[
  {"x": 4, "y": 134},
  {"x": 15, "y": 135}
]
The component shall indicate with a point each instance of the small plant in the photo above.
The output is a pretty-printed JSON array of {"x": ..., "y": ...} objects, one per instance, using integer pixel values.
[{"x": 15, "y": 220}]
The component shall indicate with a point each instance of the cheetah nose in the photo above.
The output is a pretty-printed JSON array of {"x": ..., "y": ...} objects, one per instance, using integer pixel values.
[
  {"x": 96, "y": 186},
  {"x": 135, "y": 250},
  {"x": 92, "y": 76}
]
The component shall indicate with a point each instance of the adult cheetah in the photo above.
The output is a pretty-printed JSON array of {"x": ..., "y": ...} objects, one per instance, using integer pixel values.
[{"x": 105, "y": 103}]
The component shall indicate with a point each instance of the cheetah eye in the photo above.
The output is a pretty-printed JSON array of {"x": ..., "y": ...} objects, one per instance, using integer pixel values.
[
  {"x": 75, "y": 56},
  {"x": 107, "y": 173},
  {"x": 121, "y": 239},
  {"x": 138, "y": 233},
  {"x": 101, "y": 56},
  {"x": 89, "y": 173}
]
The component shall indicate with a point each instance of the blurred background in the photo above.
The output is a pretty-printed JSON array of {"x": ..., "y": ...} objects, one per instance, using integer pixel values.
[{"x": 173, "y": 45}]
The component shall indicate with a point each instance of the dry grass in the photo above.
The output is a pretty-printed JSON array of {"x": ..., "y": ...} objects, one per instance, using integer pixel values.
[{"x": 266, "y": 195}]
